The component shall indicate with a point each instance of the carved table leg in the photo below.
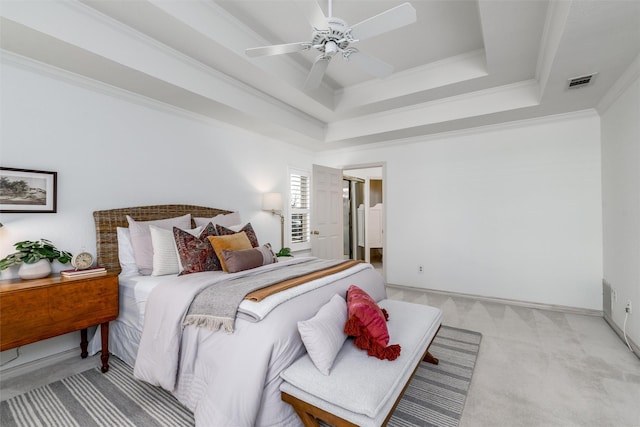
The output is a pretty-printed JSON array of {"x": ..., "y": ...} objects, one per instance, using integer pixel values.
[
  {"x": 429, "y": 358},
  {"x": 104, "y": 357},
  {"x": 83, "y": 343}
]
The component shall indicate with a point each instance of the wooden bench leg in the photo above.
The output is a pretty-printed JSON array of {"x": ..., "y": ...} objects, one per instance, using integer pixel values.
[
  {"x": 310, "y": 414},
  {"x": 429, "y": 358},
  {"x": 307, "y": 419}
]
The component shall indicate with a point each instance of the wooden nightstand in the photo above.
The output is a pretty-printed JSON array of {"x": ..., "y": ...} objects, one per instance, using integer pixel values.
[{"x": 33, "y": 310}]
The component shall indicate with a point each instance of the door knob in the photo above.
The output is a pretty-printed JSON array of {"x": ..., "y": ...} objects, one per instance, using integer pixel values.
[{"x": 315, "y": 232}]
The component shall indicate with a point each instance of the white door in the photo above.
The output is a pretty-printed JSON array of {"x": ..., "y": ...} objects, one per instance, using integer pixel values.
[{"x": 326, "y": 213}]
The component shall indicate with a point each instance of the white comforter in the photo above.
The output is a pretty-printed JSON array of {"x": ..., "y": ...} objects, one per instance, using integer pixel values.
[{"x": 233, "y": 379}]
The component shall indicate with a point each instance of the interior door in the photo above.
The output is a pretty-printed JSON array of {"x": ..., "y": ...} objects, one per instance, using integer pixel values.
[{"x": 326, "y": 213}]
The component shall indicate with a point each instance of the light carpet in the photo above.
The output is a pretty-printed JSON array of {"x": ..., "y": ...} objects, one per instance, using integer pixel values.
[{"x": 435, "y": 396}]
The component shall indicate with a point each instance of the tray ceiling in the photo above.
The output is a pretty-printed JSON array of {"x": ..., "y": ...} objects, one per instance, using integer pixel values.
[{"x": 463, "y": 64}]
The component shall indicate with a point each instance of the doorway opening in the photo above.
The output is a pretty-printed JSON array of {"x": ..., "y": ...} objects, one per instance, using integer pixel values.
[
  {"x": 363, "y": 213},
  {"x": 352, "y": 197}
]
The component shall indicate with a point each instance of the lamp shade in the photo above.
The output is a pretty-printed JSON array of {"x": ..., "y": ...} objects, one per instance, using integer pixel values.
[{"x": 272, "y": 201}]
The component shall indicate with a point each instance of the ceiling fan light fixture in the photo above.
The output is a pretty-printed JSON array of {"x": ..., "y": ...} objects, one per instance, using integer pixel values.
[
  {"x": 337, "y": 37},
  {"x": 330, "y": 48}
]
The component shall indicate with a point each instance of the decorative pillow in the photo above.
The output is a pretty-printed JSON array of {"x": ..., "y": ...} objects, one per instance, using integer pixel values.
[
  {"x": 141, "y": 238},
  {"x": 251, "y": 234},
  {"x": 246, "y": 259},
  {"x": 231, "y": 242},
  {"x": 196, "y": 253},
  {"x": 226, "y": 220},
  {"x": 125, "y": 252},
  {"x": 323, "y": 334},
  {"x": 367, "y": 322},
  {"x": 165, "y": 250}
]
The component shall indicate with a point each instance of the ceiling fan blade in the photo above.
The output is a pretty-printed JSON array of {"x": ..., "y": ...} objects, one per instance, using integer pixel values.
[
  {"x": 312, "y": 11},
  {"x": 371, "y": 65},
  {"x": 276, "y": 49},
  {"x": 317, "y": 72},
  {"x": 388, "y": 20}
]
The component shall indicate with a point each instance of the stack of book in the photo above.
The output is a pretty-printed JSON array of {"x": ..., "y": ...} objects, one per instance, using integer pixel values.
[{"x": 93, "y": 271}]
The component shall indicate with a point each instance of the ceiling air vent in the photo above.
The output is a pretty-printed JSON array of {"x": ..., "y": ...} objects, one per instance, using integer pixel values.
[{"x": 582, "y": 81}]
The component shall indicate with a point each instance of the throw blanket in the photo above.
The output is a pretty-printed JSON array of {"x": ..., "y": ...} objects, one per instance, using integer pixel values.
[
  {"x": 261, "y": 294},
  {"x": 216, "y": 306}
]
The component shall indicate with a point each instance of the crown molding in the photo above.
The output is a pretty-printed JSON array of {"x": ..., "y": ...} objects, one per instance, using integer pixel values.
[
  {"x": 31, "y": 65},
  {"x": 416, "y": 140},
  {"x": 631, "y": 74}
]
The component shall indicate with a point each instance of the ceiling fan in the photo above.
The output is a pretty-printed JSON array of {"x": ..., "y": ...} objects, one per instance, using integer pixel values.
[{"x": 332, "y": 35}]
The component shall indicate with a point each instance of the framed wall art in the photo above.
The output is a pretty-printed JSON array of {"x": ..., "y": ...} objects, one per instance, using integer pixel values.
[{"x": 27, "y": 191}]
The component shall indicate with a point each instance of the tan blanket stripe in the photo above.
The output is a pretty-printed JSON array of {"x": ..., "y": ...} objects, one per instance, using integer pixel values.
[{"x": 261, "y": 294}]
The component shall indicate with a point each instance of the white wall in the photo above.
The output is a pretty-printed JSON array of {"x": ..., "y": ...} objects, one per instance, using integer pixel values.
[
  {"x": 510, "y": 212},
  {"x": 621, "y": 205},
  {"x": 110, "y": 152}
]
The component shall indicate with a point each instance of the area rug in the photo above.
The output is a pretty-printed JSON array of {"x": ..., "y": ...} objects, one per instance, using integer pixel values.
[{"x": 435, "y": 396}]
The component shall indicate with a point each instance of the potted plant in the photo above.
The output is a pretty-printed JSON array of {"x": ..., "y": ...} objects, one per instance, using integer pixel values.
[
  {"x": 284, "y": 252},
  {"x": 34, "y": 258}
]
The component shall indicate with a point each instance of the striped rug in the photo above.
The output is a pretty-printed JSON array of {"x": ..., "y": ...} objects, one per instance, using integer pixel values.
[{"x": 435, "y": 396}]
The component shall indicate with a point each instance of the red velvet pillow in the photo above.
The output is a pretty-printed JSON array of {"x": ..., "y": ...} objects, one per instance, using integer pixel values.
[{"x": 367, "y": 322}]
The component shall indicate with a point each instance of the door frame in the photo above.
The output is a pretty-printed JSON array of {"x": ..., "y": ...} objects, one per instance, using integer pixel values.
[{"x": 383, "y": 166}]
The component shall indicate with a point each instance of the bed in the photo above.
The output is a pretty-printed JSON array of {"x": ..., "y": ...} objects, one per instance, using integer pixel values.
[{"x": 226, "y": 379}]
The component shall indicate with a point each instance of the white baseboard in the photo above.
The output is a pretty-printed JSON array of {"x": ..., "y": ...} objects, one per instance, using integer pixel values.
[
  {"x": 33, "y": 365},
  {"x": 536, "y": 305},
  {"x": 620, "y": 333}
]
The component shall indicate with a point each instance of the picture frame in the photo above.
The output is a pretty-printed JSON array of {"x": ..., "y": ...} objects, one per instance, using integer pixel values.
[{"x": 28, "y": 191}]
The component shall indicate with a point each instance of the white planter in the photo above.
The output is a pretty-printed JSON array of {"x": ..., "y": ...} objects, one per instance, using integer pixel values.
[{"x": 36, "y": 270}]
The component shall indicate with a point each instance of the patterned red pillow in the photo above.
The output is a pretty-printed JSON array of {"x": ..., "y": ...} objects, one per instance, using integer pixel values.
[
  {"x": 251, "y": 234},
  {"x": 196, "y": 253},
  {"x": 367, "y": 322}
]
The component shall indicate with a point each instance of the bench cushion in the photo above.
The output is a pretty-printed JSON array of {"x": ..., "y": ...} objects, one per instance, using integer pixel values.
[{"x": 363, "y": 389}]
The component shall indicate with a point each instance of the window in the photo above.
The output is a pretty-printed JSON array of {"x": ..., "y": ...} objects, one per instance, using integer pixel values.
[{"x": 299, "y": 197}]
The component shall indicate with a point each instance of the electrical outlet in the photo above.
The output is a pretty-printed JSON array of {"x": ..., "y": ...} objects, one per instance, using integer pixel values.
[
  {"x": 420, "y": 269},
  {"x": 628, "y": 307}
]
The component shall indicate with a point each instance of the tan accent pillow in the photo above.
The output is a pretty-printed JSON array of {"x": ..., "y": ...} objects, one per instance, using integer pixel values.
[{"x": 232, "y": 242}]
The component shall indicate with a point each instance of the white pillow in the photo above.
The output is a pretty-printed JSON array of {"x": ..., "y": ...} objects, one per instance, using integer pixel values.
[
  {"x": 125, "y": 252},
  {"x": 165, "y": 252},
  {"x": 141, "y": 238},
  {"x": 323, "y": 334},
  {"x": 235, "y": 228},
  {"x": 226, "y": 220}
]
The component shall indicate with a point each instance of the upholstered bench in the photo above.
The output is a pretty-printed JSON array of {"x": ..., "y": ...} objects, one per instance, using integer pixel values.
[{"x": 362, "y": 390}]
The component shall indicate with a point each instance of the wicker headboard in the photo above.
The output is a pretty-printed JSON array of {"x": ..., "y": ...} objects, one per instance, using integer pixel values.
[{"x": 108, "y": 220}]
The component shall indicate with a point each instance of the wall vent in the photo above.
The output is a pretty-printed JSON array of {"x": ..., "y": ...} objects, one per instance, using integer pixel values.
[{"x": 582, "y": 81}]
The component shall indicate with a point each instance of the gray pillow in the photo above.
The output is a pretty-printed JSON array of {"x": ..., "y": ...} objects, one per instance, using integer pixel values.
[
  {"x": 141, "y": 238},
  {"x": 245, "y": 259},
  {"x": 323, "y": 334}
]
